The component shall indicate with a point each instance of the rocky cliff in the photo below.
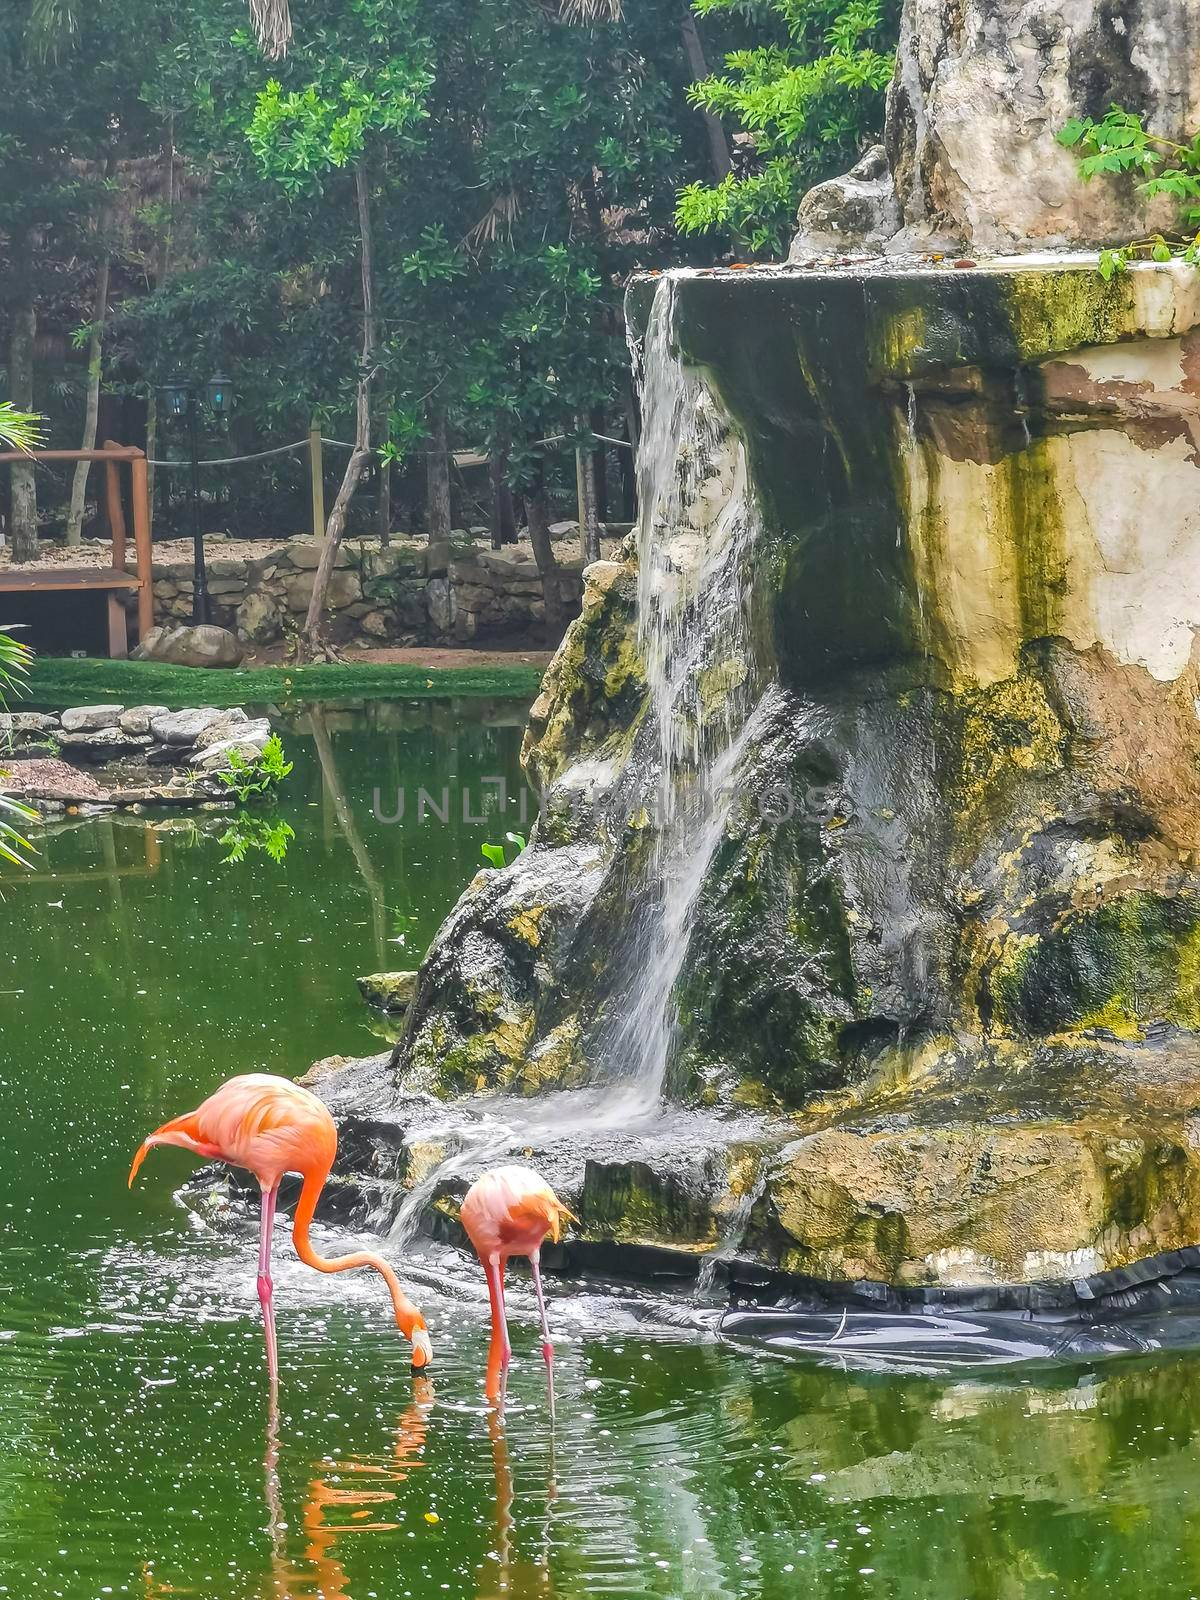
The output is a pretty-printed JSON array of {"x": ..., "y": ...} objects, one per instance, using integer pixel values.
[
  {"x": 981, "y": 89},
  {"x": 941, "y": 934}
]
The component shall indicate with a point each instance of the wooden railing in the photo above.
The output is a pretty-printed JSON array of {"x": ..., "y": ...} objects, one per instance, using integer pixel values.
[{"x": 113, "y": 579}]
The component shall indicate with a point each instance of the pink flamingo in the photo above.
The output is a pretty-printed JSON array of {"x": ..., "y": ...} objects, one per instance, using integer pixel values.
[
  {"x": 508, "y": 1212},
  {"x": 270, "y": 1126}
]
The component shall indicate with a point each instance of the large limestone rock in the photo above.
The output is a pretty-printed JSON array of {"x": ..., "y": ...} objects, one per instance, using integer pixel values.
[
  {"x": 191, "y": 645},
  {"x": 959, "y": 966},
  {"x": 981, "y": 89},
  {"x": 89, "y": 719}
]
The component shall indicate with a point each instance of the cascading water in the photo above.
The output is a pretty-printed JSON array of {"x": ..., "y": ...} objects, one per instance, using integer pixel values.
[
  {"x": 697, "y": 529},
  {"x": 698, "y": 523}
]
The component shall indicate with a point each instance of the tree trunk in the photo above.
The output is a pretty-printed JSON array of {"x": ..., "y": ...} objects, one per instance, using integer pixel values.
[
  {"x": 162, "y": 267},
  {"x": 503, "y": 520},
  {"x": 92, "y": 402},
  {"x": 383, "y": 505},
  {"x": 589, "y": 522},
  {"x": 361, "y": 454},
  {"x": 538, "y": 518},
  {"x": 437, "y": 478},
  {"x": 20, "y": 382},
  {"x": 718, "y": 144}
]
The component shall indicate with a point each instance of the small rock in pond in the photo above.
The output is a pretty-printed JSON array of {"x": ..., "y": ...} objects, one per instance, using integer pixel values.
[
  {"x": 391, "y": 991},
  {"x": 50, "y": 780},
  {"x": 138, "y": 718},
  {"x": 85, "y": 719},
  {"x": 231, "y": 724},
  {"x": 184, "y": 727},
  {"x": 249, "y": 742},
  {"x": 102, "y": 744},
  {"x": 23, "y": 722}
]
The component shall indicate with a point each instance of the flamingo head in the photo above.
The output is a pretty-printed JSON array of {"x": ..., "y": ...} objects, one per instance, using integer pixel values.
[{"x": 422, "y": 1349}]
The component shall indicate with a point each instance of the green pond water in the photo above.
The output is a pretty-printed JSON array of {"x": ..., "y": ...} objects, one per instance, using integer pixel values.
[{"x": 138, "y": 1453}]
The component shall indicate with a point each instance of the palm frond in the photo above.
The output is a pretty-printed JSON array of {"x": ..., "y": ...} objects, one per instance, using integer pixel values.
[
  {"x": 12, "y": 843},
  {"x": 272, "y": 27},
  {"x": 52, "y": 23},
  {"x": 20, "y": 430},
  {"x": 15, "y": 658},
  {"x": 584, "y": 12},
  {"x": 498, "y": 218}
]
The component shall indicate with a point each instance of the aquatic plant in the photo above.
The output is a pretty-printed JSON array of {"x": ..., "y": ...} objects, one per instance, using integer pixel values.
[{"x": 248, "y": 776}]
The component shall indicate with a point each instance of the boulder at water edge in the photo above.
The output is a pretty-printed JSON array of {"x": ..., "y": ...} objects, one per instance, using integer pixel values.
[{"x": 191, "y": 645}]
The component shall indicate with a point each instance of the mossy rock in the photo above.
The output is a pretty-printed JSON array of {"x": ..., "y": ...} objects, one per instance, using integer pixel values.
[{"x": 389, "y": 991}]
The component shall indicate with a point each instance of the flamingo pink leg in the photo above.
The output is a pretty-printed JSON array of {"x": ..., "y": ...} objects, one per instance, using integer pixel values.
[
  {"x": 547, "y": 1347},
  {"x": 500, "y": 1353},
  {"x": 265, "y": 1286}
]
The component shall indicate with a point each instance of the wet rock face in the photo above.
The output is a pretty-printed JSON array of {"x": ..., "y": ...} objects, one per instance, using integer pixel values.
[
  {"x": 980, "y": 91},
  {"x": 948, "y": 942}
]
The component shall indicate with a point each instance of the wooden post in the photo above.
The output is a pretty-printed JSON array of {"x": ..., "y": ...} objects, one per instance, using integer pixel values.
[
  {"x": 316, "y": 470},
  {"x": 141, "y": 542},
  {"x": 116, "y": 512},
  {"x": 118, "y": 622}
]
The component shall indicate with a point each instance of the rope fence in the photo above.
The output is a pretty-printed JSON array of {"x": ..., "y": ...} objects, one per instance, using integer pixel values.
[{"x": 459, "y": 457}]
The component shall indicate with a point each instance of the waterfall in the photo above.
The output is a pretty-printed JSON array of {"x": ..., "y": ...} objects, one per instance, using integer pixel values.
[{"x": 698, "y": 523}]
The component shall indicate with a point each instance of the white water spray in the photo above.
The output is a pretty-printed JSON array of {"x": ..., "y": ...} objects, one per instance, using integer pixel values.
[{"x": 698, "y": 522}]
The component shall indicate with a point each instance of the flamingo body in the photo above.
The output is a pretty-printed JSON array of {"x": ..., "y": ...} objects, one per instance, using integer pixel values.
[
  {"x": 270, "y": 1126},
  {"x": 509, "y": 1211}
]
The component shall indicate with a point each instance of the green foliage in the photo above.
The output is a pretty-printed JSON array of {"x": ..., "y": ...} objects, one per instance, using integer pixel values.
[
  {"x": 495, "y": 853},
  {"x": 1119, "y": 144},
  {"x": 248, "y": 776},
  {"x": 20, "y": 430},
  {"x": 15, "y": 658},
  {"x": 810, "y": 100},
  {"x": 62, "y": 681},
  {"x": 247, "y": 834}
]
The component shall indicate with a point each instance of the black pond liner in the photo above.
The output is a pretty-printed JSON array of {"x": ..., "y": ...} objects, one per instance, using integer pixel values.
[{"x": 1151, "y": 1306}]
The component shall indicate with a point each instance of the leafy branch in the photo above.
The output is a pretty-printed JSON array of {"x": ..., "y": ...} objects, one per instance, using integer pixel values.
[{"x": 1119, "y": 144}]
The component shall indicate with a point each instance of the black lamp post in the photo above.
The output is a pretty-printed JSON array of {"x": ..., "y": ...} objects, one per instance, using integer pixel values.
[{"x": 183, "y": 398}]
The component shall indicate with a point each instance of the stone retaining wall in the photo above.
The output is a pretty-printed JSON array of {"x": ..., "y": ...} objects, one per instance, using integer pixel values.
[{"x": 409, "y": 593}]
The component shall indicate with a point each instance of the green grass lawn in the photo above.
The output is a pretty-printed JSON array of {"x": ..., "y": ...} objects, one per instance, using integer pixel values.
[{"x": 58, "y": 682}]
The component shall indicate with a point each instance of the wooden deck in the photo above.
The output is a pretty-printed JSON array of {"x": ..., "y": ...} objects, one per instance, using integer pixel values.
[
  {"x": 106, "y": 580},
  {"x": 24, "y": 580}
]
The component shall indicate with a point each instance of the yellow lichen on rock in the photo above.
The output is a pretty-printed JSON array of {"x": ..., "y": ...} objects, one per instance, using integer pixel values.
[{"x": 525, "y": 924}]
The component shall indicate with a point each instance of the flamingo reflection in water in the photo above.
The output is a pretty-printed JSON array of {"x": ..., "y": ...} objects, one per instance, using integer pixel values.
[
  {"x": 332, "y": 1509},
  {"x": 507, "y": 1578}
]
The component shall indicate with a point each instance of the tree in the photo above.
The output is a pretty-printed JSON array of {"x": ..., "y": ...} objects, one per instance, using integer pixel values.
[
  {"x": 362, "y": 91},
  {"x": 809, "y": 98},
  {"x": 59, "y": 125}
]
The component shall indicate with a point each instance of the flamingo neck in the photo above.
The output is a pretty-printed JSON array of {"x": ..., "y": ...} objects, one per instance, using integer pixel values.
[{"x": 408, "y": 1319}]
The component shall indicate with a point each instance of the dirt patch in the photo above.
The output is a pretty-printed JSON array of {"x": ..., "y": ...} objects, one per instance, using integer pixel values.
[
  {"x": 45, "y": 778},
  {"x": 436, "y": 658}
]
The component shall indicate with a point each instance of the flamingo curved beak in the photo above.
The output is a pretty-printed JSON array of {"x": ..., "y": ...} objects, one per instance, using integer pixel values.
[{"x": 422, "y": 1349}]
